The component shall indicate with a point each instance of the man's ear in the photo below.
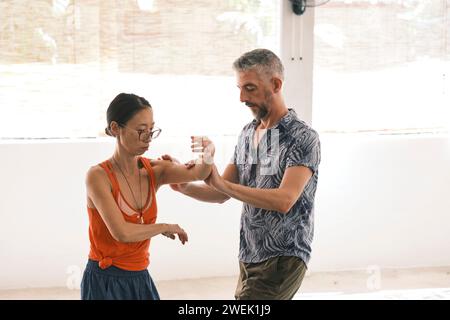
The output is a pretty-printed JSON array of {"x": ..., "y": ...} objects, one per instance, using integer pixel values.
[{"x": 277, "y": 84}]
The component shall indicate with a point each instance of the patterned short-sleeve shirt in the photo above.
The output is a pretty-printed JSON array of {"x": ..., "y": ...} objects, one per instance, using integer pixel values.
[{"x": 264, "y": 233}]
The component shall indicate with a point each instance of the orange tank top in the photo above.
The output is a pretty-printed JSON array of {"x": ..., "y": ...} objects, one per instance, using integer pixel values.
[{"x": 104, "y": 248}]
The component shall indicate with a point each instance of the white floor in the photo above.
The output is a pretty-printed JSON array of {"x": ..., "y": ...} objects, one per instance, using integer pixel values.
[{"x": 418, "y": 283}]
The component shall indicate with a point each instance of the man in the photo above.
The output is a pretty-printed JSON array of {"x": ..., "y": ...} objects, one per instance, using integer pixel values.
[{"x": 274, "y": 172}]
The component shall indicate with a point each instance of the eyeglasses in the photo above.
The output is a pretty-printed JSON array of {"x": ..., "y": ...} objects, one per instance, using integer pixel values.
[{"x": 146, "y": 135}]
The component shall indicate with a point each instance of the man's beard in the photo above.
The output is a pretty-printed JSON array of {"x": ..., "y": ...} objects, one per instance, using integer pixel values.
[{"x": 260, "y": 112}]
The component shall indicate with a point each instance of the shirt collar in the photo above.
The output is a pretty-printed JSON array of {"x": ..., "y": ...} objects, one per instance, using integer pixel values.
[{"x": 284, "y": 121}]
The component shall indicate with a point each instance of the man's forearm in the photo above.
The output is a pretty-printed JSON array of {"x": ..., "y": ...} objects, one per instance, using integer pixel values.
[
  {"x": 269, "y": 199},
  {"x": 203, "y": 192}
]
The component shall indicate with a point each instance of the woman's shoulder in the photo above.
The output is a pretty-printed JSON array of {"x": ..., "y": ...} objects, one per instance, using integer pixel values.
[
  {"x": 156, "y": 163},
  {"x": 158, "y": 166},
  {"x": 95, "y": 173}
]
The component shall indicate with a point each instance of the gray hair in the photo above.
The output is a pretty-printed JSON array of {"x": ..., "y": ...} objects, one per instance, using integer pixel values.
[{"x": 263, "y": 61}]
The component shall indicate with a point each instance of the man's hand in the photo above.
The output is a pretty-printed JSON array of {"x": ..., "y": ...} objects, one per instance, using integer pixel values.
[{"x": 215, "y": 180}]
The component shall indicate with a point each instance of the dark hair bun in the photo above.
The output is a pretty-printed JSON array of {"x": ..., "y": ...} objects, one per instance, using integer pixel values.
[{"x": 123, "y": 107}]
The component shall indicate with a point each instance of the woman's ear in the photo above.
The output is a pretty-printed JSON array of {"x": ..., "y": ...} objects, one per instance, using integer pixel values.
[{"x": 114, "y": 128}]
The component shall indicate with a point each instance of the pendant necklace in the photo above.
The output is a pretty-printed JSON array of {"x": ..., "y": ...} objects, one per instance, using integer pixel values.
[{"x": 139, "y": 208}]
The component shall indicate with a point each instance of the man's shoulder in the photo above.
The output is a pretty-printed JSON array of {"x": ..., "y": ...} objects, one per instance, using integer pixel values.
[
  {"x": 246, "y": 129},
  {"x": 299, "y": 129}
]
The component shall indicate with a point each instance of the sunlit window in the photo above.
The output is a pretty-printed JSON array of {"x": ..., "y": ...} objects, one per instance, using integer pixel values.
[
  {"x": 382, "y": 65},
  {"x": 62, "y": 62}
]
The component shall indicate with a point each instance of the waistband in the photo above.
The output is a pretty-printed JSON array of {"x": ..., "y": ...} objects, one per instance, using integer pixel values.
[{"x": 93, "y": 266}]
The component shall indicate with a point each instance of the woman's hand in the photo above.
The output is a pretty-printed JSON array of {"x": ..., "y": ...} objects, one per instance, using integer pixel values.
[
  {"x": 203, "y": 145},
  {"x": 174, "y": 229},
  {"x": 174, "y": 173}
]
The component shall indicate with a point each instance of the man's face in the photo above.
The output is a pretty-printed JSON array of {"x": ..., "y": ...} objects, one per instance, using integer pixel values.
[{"x": 255, "y": 92}]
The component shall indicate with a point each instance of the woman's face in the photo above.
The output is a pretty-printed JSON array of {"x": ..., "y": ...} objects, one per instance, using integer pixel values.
[{"x": 134, "y": 136}]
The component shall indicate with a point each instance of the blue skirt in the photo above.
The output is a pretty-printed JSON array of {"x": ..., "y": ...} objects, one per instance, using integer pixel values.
[{"x": 116, "y": 284}]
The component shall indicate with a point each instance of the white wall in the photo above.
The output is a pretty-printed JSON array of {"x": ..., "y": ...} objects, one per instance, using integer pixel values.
[
  {"x": 381, "y": 200},
  {"x": 297, "y": 54}
]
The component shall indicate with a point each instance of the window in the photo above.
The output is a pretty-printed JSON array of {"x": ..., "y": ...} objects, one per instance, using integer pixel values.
[
  {"x": 62, "y": 62},
  {"x": 382, "y": 65}
]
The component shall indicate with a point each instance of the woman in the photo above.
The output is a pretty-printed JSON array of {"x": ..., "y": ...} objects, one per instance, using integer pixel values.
[{"x": 121, "y": 203}]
